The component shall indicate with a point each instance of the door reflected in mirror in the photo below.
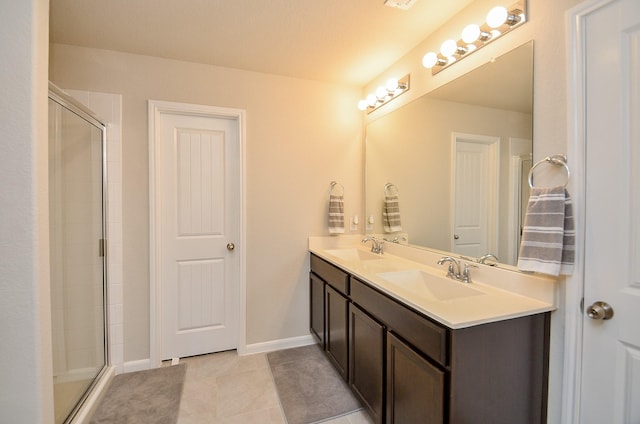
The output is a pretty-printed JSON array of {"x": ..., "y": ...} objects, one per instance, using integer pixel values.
[{"x": 457, "y": 157}]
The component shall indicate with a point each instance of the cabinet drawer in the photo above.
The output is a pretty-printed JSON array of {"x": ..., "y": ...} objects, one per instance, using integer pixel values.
[
  {"x": 336, "y": 277},
  {"x": 423, "y": 334}
]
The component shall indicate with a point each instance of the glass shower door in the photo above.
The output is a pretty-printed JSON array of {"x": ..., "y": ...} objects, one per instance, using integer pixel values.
[{"x": 76, "y": 205}]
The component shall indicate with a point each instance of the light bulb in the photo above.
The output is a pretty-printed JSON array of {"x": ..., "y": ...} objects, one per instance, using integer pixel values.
[
  {"x": 362, "y": 105},
  {"x": 448, "y": 48},
  {"x": 381, "y": 92},
  {"x": 429, "y": 60},
  {"x": 470, "y": 33},
  {"x": 497, "y": 16},
  {"x": 372, "y": 100},
  {"x": 392, "y": 85}
]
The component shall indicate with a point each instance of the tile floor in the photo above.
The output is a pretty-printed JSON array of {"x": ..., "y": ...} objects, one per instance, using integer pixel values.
[{"x": 227, "y": 388}]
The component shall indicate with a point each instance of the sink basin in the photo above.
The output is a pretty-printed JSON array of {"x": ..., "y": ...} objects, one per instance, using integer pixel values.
[
  {"x": 429, "y": 286},
  {"x": 352, "y": 254}
]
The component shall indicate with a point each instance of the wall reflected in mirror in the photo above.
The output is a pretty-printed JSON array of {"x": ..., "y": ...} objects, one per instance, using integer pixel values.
[{"x": 459, "y": 157}]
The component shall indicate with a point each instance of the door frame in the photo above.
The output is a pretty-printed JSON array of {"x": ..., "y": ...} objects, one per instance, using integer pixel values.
[
  {"x": 514, "y": 223},
  {"x": 576, "y": 149},
  {"x": 493, "y": 142},
  {"x": 156, "y": 108}
]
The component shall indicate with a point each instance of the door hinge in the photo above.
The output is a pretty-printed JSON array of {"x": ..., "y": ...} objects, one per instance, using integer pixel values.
[{"x": 102, "y": 247}]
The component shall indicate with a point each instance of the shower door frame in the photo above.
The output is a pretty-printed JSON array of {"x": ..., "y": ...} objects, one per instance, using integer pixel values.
[{"x": 77, "y": 108}]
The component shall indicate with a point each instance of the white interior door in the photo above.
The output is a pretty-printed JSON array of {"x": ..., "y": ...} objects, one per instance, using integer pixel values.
[
  {"x": 610, "y": 389},
  {"x": 198, "y": 197},
  {"x": 475, "y": 194}
]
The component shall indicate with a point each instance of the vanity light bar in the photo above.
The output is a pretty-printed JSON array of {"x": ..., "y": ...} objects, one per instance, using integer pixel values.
[
  {"x": 399, "y": 4},
  {"x": 500, "y": 20},
  {"x": 384, "y": 94}
]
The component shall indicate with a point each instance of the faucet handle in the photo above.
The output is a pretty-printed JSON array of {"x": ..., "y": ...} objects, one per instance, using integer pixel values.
[
  {"x": 450, "y": 271},
  {"x": 466, "y": 276}
]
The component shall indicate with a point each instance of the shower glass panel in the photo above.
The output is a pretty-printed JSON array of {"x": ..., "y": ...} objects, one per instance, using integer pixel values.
[{"x": 78, "y": 275}]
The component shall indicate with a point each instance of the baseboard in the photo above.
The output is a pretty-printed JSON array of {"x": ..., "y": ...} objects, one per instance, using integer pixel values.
[
  {"x": 140, "y": 365},
  {"x": 272, "y": 345},
  {"x": 251, "y": 349}
]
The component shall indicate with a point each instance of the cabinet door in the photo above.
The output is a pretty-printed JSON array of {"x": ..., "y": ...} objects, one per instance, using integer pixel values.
[
  {"x": 415, "y": 388},
  {"x": 336, "y": 343},
  {"x": 366, "y": 361},
  {"x": 316, "y": 308}
]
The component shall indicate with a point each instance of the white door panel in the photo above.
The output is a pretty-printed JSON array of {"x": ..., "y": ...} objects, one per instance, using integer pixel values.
[
  {"x": 475, "y": 194},
  {"x": 197, "y": 187},
  {"x": 610, "y": 389}
]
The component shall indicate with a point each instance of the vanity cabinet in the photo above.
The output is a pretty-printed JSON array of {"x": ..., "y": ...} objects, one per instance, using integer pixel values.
[
  {"x": 329, "y": 290},
  {"x": 366, "y": 361},
  {"x": 407, "y": 368},
  {"x": 336, "y": 319},
  {"x": 415, "y": 387},
  {"x": 316, "y": 308}
]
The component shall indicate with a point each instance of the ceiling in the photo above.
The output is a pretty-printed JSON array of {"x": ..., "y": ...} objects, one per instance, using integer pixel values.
[{"x": 339, "y": 41}]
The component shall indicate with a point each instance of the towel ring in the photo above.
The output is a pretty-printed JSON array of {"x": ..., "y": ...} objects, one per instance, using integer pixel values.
[
  {"x": 333, "y": 185},
  {"x": 558, "y": 160},
  {"x": 390, "y": 189}
]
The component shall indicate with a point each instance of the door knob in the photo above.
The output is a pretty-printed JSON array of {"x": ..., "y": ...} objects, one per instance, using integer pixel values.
[
  {"x": 600, "y": 310},
  {"x": 456, "y": 237},
  {"x": 230, "y": 246}
]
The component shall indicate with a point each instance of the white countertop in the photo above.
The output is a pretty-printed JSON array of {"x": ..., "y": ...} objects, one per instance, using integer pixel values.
[{"x": 489, "y": 302}]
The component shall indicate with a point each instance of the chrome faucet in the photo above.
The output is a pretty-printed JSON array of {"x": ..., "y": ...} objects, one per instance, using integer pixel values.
[
  {"x": 376, "y": 245},
  {"x": 454, "y": 267},
  {"x": 483, "y": 259},
  {"x": 398, "y": 239},
  {"x": 457, "y": 270}
]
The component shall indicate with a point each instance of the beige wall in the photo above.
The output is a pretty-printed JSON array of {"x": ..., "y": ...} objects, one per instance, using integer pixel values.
[
  {"x": 300, "y": 135},
  {"x": 26, "y": 390}
]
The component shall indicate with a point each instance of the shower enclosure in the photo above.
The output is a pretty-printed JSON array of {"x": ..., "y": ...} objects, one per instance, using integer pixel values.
[{"x": 77, "y": 200}]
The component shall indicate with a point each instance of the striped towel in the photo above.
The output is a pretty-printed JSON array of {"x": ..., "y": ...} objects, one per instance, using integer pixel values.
[
  {"x": 391, "y": 214},
  {"x": 336, "y": 214},
  {"x": 548, "y": 236}
]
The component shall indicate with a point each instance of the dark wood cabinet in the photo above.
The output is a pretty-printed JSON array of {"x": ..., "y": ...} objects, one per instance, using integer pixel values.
[
  {"x": 499, "y": 372},
  {"x": 328, "y": 295},
  {"x": 415, "y": 387},
  {"x": 366, "y": 361},
  {"x": 316, "y": 308},
  {"x": 336, "y": 320},
  {"x": 407, "y": 368}
]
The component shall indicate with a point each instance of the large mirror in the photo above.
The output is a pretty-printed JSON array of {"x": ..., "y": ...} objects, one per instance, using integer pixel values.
[{"x": 457, "y": 159}]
